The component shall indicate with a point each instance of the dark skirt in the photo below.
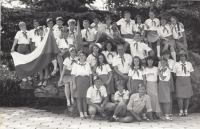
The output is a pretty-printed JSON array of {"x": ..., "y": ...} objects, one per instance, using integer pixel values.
[
  {"x": 82, "y": 85},
  {"x": 152, "y": 36},
  {"x": 180, "y": 44},
  {"x": 171, "y": 83},
  {"x": 67, "y": 77},
  {"x": 164, "y": 91},
  {"x": 171, "y": 41},
  {"x": 135, "y": 84},
  {"x": 110, "y": 89},
  {"x": 183, "y": 87}
]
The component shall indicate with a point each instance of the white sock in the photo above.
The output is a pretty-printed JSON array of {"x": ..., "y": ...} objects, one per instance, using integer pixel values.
[
  {"x": 173, "y": 56},
  {"x": 81, "y": 114},
  {"x": 114, "y": 116},
  {"x": 181, "y": 111},
  {"x": 85, "y": 113},
  {"x": 185, "y": 110},
  {"x": 158, "y": 51}
]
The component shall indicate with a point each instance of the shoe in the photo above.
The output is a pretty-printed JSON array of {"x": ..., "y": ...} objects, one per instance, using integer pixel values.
[
  {"x": 92, "y": 117},
  {"x": 112, "y": 119},
  {"x": 40, "y": 83},
  {"x": 45, "y": 83},
  {"x": 180, "y": 115},
  {"x": 186, "y": 114}
]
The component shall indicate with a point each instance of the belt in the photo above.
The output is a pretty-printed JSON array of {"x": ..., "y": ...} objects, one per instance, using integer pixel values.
[
  {"x": 129, "y": 36},
  {"x": 24, "y": 44},
  {"x": 82, "y": 76}
]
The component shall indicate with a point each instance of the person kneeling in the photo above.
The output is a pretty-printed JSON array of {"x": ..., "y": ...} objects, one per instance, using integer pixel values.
[
  {"x": 97, "y": 98},
  {"x": 137, "y": 103},
  {"x": 121, "y": 98}
]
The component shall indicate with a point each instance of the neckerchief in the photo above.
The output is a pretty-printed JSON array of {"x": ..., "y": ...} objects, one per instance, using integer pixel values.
[
  {"x": 136, "y": 71},
  {"x": 163, "y": 70},
  {"x": 121, "y": 95},
  {"x": 59, "y": 28},
  {"x": 25, "y": 35},
  {"x": 127, "y": 23},
  {"x": 87, "y": 33},
  {"x": 153, "y": 23},
  {"x": 164, "y": 28},
  {"x": 41, "y": 38},
  {"x": 136, "y": 46},
  {"x": 122, "y": 60},
  {"x": 82, "y": 65},
  {"x": 183, "y": 68},
  {"x": 101, "y": 66},
  {"x": 73, "y": 61}
]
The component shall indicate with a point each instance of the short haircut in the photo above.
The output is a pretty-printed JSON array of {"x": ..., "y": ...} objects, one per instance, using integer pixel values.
[
  {"x": 35, "y": 20},
  {"x": 59, "y": 19},
  {"x": 150, "y": 58},
  {"x": 151, "y": 11},
  {"x": 125, "y": 12},
  {"x": 121, "y": 82},
  {"x": 71, "y": 21},
  {"x": 163, "y": 59},
  {"x": 138, "y": 33},
  {"x": 107, "y": 18},
  {"x": 96, "y": 78},
  {"x": 86, "y": 21},
  {"x": 141, "y": 85},
  {"x": 22, "y": 23},
  {"x": 40, "y": 28},
  {"x": 49, "y": 20},
  {"x": 118, "y": 45},
  {"x": 165, "y": 52}
]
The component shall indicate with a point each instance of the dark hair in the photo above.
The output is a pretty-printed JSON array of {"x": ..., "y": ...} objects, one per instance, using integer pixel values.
[
  {"x": 59, "y": 19},
  {"x": 86, "y": 21},
  {"x": 138, "y": 33},
  {"x": 79, "y": 52},
  {"x": 121, "y": 82},
  {"x": 120, "y": 45},
  {"x": 35, "y": 20},
  {"x": 141, "y": 85},
  {"x": 95, "y": 45},
  {"x": 96, "y": 78},
  {"x": 104, "y": 59},
  {"x": 150, "y": 58},
  {"x": 163, "y": 59},
  {"x": 112, "y": 45},
  {"x": 178, "y": 23},
  {"x": 125, "y": 12},
  {"x": 151, "y": 11},
  {"x": 139, "y": 16},
  {"x": 49, "y": 20},
  {"x": 140, "y": 62},
  {"x": 107, "y": 18},
  {"x": 166, "y": 52}
]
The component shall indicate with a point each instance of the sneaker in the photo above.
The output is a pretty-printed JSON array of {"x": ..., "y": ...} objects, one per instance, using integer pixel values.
[{"x": 112, "y": 119}]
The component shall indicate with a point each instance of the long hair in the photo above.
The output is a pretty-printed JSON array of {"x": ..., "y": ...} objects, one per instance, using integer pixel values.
[
  {"x": 104, "y": 59},
  {"x": 177, "y": 22},
  {"x": 139, "y": 16},
  {"x": 140, "y": 62},
  {"x": 95, "y": 45},
  {"x": 112, "y": 45}
]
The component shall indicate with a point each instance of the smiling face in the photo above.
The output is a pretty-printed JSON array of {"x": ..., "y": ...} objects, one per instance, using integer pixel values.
[
  {"x": 59, "y": 23},
  {"x": 163, "y": 22},
  {"x": 173, "y": 21},
  {"x": 127, "y": 16},
  {"x": 152, "y": 15},
  {"x": 95, "y": 49},
  {"x": 72, "y": 26},
  {"x": 101, "y": 59},
  {"x": 137, "y": 37},
  {"x": 120, "y": 50},
  {"x": 136, "y": 62},
  {"x": 82, "y": 57},
  {"x": 139, "y": 20},
  {"x": 98, "y": 83},
  {"x": 163, "y": 63},
  {"x": 150, "y": 62},
  {"x": 108, "y": 46},
  {"x": 35, "y": 24},
  {"x": 50, "y": 24}
]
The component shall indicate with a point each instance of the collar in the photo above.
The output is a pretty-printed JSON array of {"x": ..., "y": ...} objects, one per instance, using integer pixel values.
[
  {"x": 152, "y": 19},
  {"x": 128, "y": 21},
  {"x": 81, "y": 63},
  {"x": 109, "y": 27},
  {"x": 162, "y": 67},
  {"x": 137, "y": 42},
  {"x": 137, "y": 67},
  {"x": 138, "y": 96},
  {"x": 87, "y": 29},
  {"x": 120, "y": 56},
  {"x": 23, "y": 31},
  {"x": 93, "y": 54},
  {"x": 95, "y": 88},
  {"x": 72, "y": 58},
  {"x": 183, "y": 63},
  {"x": 122, "y": 92}
]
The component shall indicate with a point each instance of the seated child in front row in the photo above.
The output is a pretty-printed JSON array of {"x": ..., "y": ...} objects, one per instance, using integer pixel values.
[
  {"x": 97, "y": 98},
  {"x": 121, "y": 98}
]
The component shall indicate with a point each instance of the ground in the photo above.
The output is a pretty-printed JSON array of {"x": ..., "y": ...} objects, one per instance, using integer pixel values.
[{"x": 30, "y": 118}]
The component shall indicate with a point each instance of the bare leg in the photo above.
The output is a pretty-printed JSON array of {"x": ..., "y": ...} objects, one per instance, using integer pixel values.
[
  {"x": 67, "y": 94},
  {"x": 180, "y": 103},
  {"x": 158, "y": 48},
  {"x": 127, "y": 119},
  {"x": 60, "y": 63},
  {"x": 84, "y": 105},
  {"x": 173, "y": 53},
  {"x": 166, "y": 107},
  {"x": 72, "y": 93},
  {"x": 79, "y": 104}
]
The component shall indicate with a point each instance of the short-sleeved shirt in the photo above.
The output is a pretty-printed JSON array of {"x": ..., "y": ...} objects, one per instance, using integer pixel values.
[
  {"x": 109, "y": 31},
  {"x": 22, "y": 39},
  {"x": 164, "y": 31},
  {"x": 92, "y": 59},
  {"x": 109, "y": 55},
  {"x": 153, "y": 24},
  {"x": 38, "y": 40},
  {"x": 33, "y": 34},
  {"x": 94, "y": 25},
  {"x": 57, "y": 31},
  {"x": 94, "y": 95},
  {"x": 103, "y": 70},
  {"x": 171, "y": 64},
  {"x": 139, "y": 28},
  {"x": 122, "y": 64},
  {"x": 136, "y": 74},
  {"x": 151, "y": 74},
  {"x": 69, "y": 62},
  {"x": 139, "y": 49},
  {"x": 90, "y": 35},
  {"x": 63, "y": 44},
  {"x": 72, "y": 34},
  {"x": 177, "y": 31},
  {"x": 136, "y": 103},
  {"x": 81, "y": 69},
  {"x": 126, "y": 27},
  {"x": 165, "y": 72},
  {"x": 121, "y": 96},
  {"x": 179, "y": 69}
]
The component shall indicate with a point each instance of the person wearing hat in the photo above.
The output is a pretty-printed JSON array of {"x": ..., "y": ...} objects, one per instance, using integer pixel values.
[
  {"x": 97, "y": 98},
  {"x": 64, "y": 43},
  {"x": 22, "y": 38},
  {"x": 66, "y": 77},
  {"x": 165, "y": 34},
  {"x": 58, "y": 27},
  {"x": 89, "y": 37},
  {"x": 171, "y": 63},
  {"x": 72, "y": 29},
  {"x": 183, "y": 70},
  {"x": 92, "y": 58},
  {"x": 33, "y": 34},
  {"x": 82, "y": 80},
  {"x": 38, "y": 41},
  {"x": 152, "y": 35}
]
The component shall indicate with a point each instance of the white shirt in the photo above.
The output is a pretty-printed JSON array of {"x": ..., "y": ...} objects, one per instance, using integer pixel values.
[
  {"x": 68, "y": 62},
  {"x": 177, "y": 33},
  {"x": 139, "y": 50},
  {"x": 117, "y": 61},
  {"x": 72, "y": 34},
  {"x": 164, "y": 31},
  {"x": 153, "y": 24},
  {"x": 126, "y": 28},
  {"x": 109, "y": 31},
  {"x": 179, "y": 70},
  {"x": 21, "y": 37},
  {"x": 171, "y": 64},
  {"x": 104, "y": 71},
  {"x": 92, "y": 59},
  {"x": 151, "y": 74},
  {"x": 94, "y": 95},
  {"x": 139, "y": 28},
  {"x": 120, "y": 97},
  {"x": 33, "y": 34},
  {"x": 38, "y": 40},
  {"x": 56, "y": 31},
  {"x": 63, "y": 44},
  {"x": 96, "y": 27},
  {"x": 81, "y": 69},
  {"x": 109, "y": 57},
  {"x": 136, "y": 74},
  {"x": 165, "y": 73},
  {"x": 91, "y": 34}
]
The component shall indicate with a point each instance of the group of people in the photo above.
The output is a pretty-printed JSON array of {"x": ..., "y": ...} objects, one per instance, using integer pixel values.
[{"x": 114, "y": 72}]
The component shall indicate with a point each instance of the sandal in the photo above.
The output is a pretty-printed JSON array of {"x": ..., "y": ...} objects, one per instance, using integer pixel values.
[
  {"x": 167, "y": 118},
  {"x": 180, "y": 115},
  {"x": 72, "y": 101}
]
